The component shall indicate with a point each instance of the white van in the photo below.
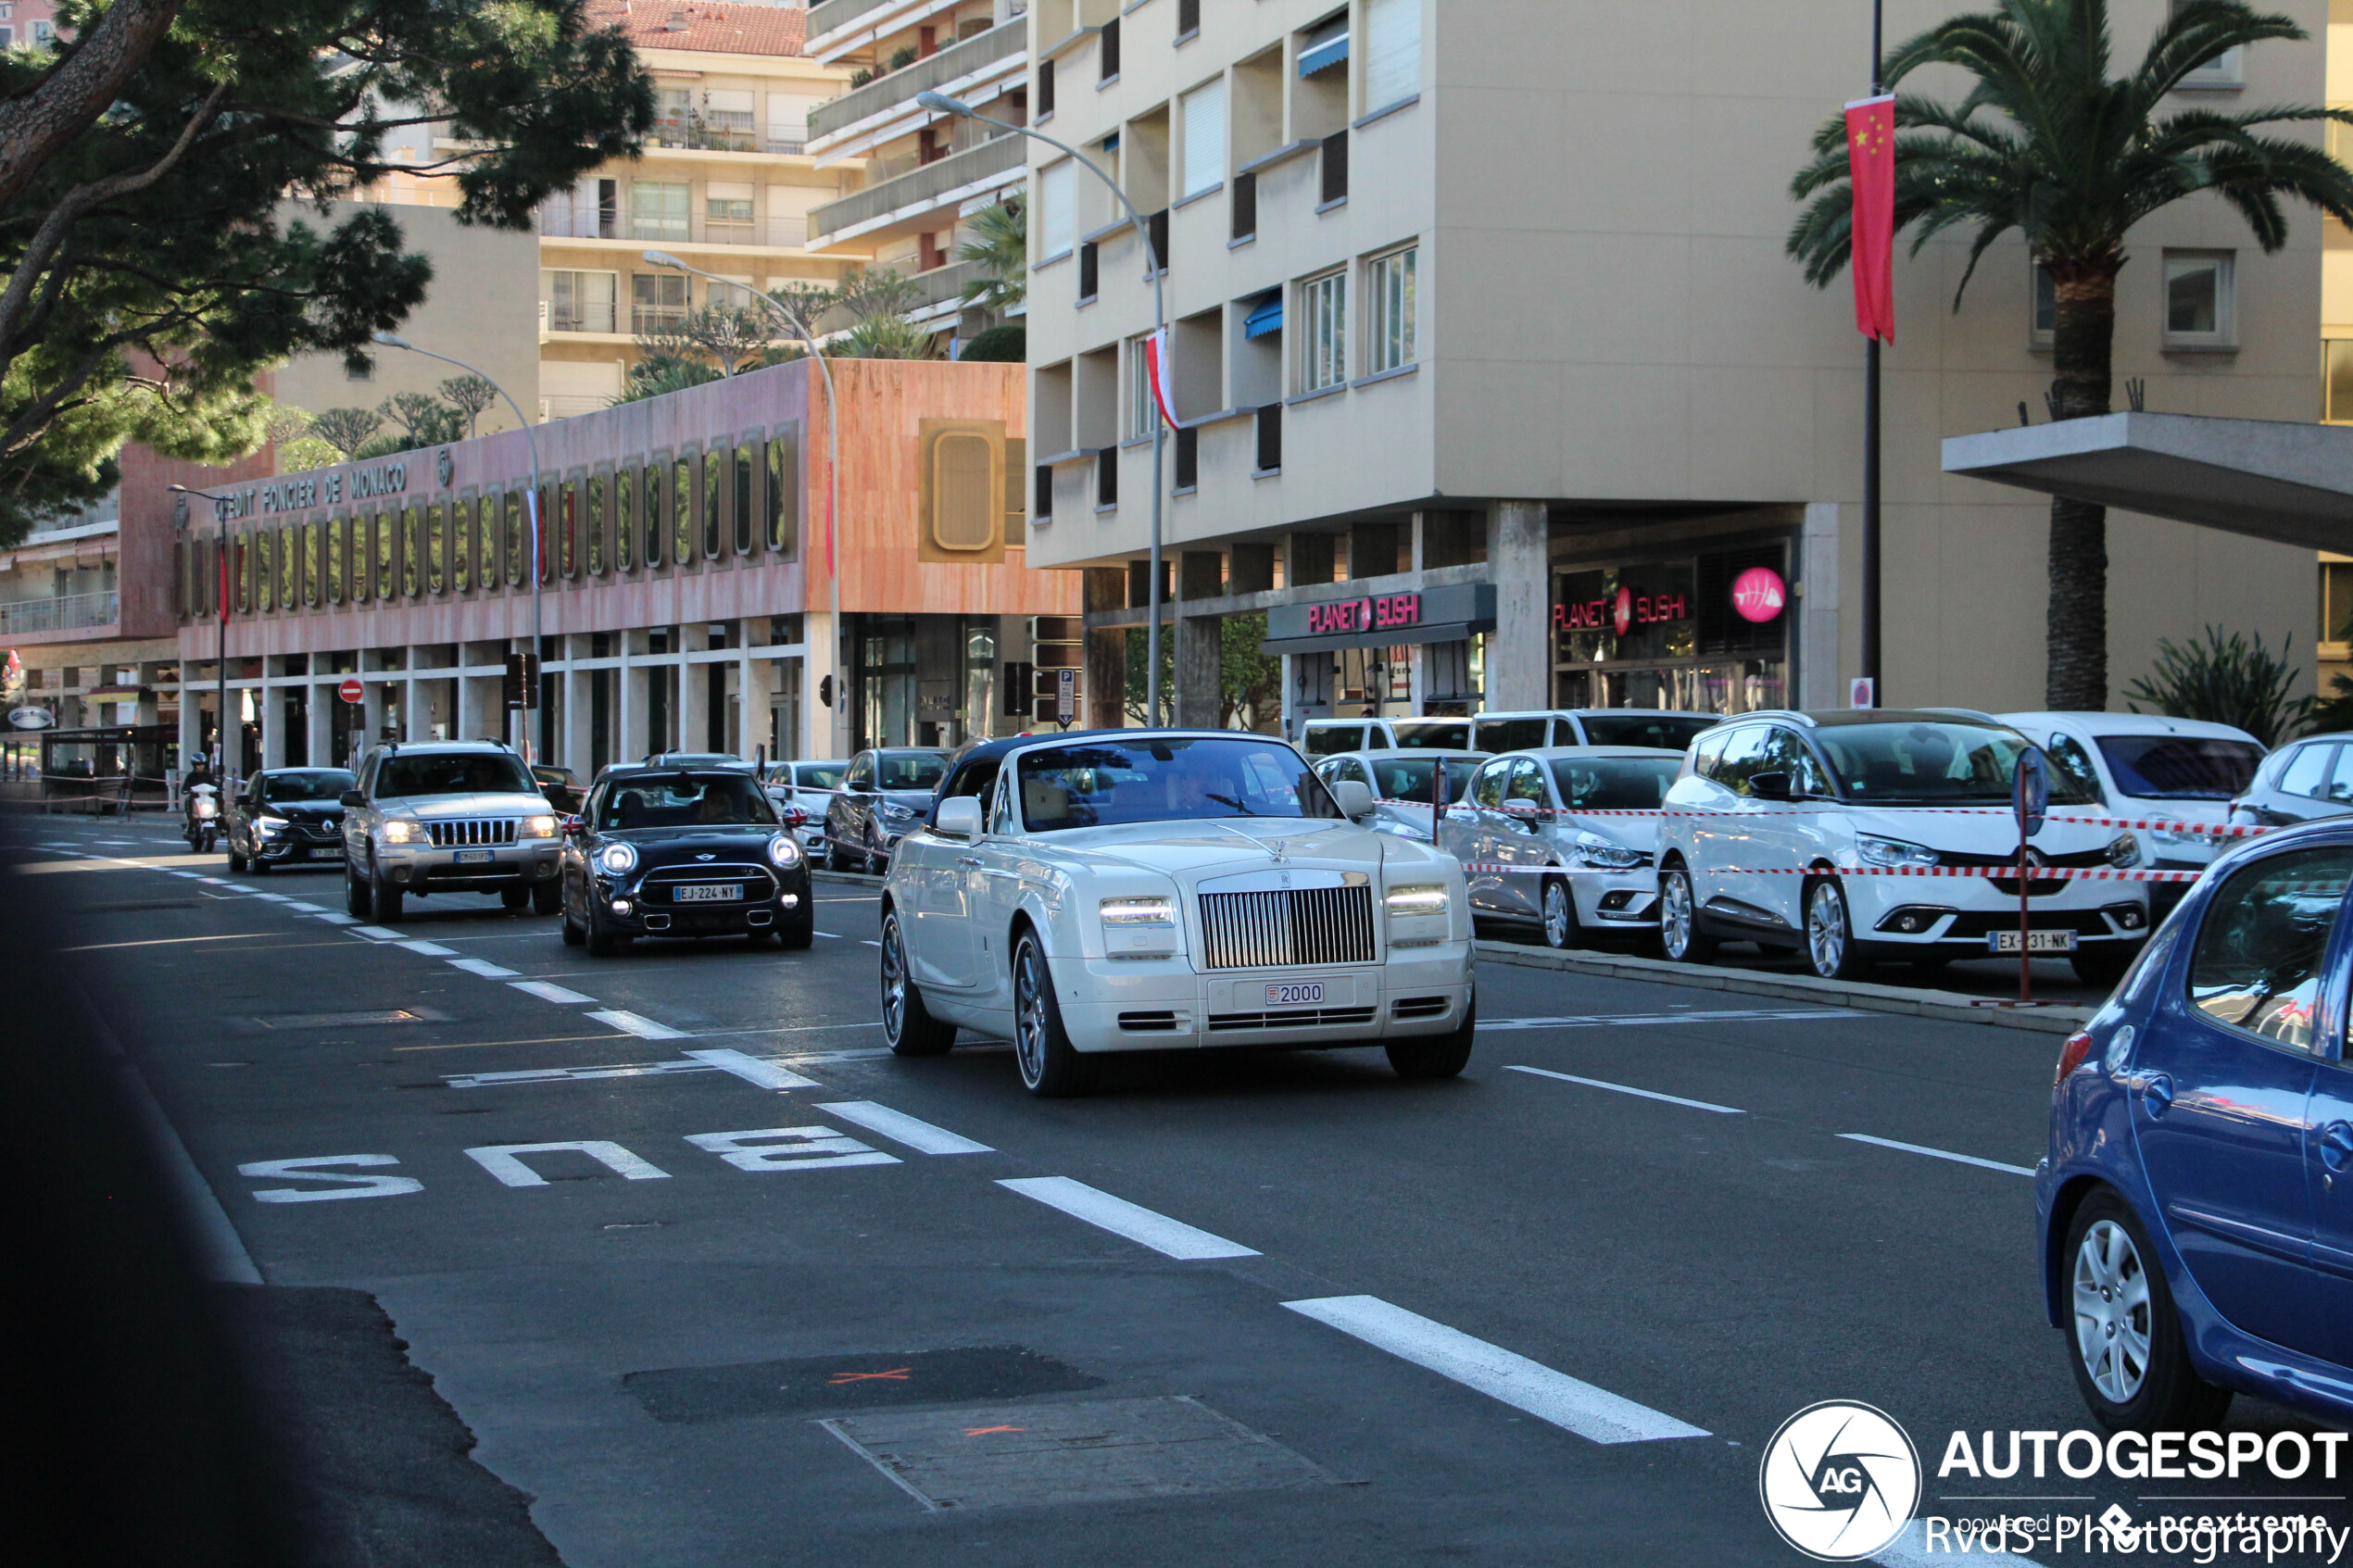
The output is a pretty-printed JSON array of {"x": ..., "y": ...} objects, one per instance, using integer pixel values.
[
  {"x": 1656, "y": 728},
  {"x": 1331, "y": 737}
]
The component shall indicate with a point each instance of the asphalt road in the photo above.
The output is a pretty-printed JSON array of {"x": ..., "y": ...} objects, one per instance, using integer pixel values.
[{"x": 850, "y": 1339}]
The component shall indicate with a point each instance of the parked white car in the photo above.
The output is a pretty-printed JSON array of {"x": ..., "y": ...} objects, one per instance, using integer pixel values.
[
  {"x": 1154, "y": 889},
  {"x": 810, "y": 786},
  {"x": 1545, "y": 859},
  {"x": 2148, "y": 766},
  {"x": 1662, "y": 729},
  {"x": 1403, "y": 783},
  {"x": 1330, "y": 737},
  {"x": 1772, "y": 808}
]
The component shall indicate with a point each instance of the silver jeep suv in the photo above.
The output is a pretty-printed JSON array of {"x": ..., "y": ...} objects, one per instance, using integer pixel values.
[{"x": 448, "y": 817}]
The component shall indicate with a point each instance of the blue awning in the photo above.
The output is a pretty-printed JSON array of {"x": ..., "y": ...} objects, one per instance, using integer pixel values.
[
  {"x": 1266, "y": 316},
  {"x": 1325, "y": 47}
]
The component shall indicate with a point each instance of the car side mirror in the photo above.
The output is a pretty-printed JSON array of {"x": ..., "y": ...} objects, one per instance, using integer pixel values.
[
  {"x": 1768, "y": 786},
  {"x": 574, "y": 827},
  {"x": 960, "y": 816},
  {"x": 1354, "y": 797},
  {"x": 353, "y": 798}
]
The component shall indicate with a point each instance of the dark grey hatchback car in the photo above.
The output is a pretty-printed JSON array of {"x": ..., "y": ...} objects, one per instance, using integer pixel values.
[
  {"x": 882, "y": 798},
  {"x": 2301, "y": 781}
]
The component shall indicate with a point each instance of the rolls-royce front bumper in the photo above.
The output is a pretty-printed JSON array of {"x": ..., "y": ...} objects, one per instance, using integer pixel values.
[{"x": 1162, "y": 1004}]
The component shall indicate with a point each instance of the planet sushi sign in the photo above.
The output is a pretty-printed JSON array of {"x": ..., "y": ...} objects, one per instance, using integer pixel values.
[{"x": 1759, "y": 595}]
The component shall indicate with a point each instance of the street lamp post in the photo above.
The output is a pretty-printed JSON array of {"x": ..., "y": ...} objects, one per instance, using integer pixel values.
[
  {"x": 833, "y": 482},
  {"x": 220, "y": 521},
  {"x": 538, "y": 546},
  {"x": 943, "y": 104}
]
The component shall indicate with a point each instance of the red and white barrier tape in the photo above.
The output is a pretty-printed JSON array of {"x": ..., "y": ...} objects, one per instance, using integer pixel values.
[
  {"x": 1999, "y": 874},
  {"x": 2147, "y": 824}
]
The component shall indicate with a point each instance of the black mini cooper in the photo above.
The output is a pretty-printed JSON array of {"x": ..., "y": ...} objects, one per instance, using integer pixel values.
[{"x": 682, "y": 851}]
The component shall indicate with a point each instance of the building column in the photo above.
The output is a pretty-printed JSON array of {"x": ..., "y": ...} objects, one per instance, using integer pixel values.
[
  {"x": 474, "y": 721},
  {"x": 1520, "y": 654},
  {"x": 825, "y": 730},
  {"x": 272, "y": 701},
  {"x": 629, "y": 724},
  {"x": 416, "y": 708},
  {"x": 322, "y": 707},
  {"x": 191, "y": 722},
  {"x": 579, "y": 713},
  {"x": 1199, "y": 672},
  {"x": 1105, "y": 675},
  {"x": 755, "y": 691},
  {"x": 377, "y": 695},
  {"x": 1816, "y": 646}
]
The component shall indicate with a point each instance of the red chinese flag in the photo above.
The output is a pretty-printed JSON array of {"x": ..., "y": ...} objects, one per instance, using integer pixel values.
[{"x": 1870, "y": 164}]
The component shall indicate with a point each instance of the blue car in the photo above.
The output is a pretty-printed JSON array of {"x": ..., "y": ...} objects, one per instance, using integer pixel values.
[{"x": 2194, "y": 1241}]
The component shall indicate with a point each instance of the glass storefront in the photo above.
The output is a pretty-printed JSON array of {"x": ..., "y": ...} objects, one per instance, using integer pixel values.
[
  {"x": 927, "y": 680},
  {"x": 1704, "y": 631}
]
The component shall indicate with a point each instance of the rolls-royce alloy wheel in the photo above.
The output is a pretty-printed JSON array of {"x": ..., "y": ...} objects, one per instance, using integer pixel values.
[
  {"x": 1050, "y": 1067},
  {"x": 907, "y": 1026}
]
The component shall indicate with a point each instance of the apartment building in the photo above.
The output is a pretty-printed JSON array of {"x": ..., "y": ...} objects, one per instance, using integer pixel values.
[
  {"x": 924, "y": 173},
  {"x": 726, "y": 183},
  {"x": 1495, "y": 385}
]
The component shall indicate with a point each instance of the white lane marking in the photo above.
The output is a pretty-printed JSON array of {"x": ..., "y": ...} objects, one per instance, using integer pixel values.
[
  {"x": 273, "y": 897},
  {"x": 429, "y": 949},
  {"x": 832, "y": 935},
  {"x": 1630, "y": 1089},
  {"x": 1172, "y": 1238},
  {"x": 752, "y": 1069},
  {"x": 901, "y": 1128},
  {"x": 485, "y": 968},
  {"x": 333, "y": 919},
  {"x": 133, "y": 842},
  {"x": 216, "y": 882},
  {"x": 644, "y": 1028},
  {"x": 548, "y": 991},
  {"x": 376, "y": 933},
  {"x": 1939, "y": 1153},
  {"x": 789, "y": 1148},
  {"x": 347, "y": 1186},
  {"x": 867, "y": 942},
  {"x": 503, "y": 1161},
  {"x": 1910, "y": 1550},
  {"x": 291, "y": 903},
  {"x": 1602, "y": 1021},
  {"x": 576, "y": 1074},
  {"x": 1501, "y": 1374},
  {"x": 189, "y": 874}
]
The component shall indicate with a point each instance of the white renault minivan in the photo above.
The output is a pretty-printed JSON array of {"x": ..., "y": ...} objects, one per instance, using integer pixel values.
[{"x": 1823, "y": 833}]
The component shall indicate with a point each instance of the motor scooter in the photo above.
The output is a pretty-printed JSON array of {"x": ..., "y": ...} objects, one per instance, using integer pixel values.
[{"x": 204, "y": 817}]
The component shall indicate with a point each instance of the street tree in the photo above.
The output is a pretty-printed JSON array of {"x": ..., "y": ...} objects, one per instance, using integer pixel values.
[
  {"x": 424, "y": 420},
  {"x": 164, "y": 176},
  {"x": 999, "y": 251},
  {"x": 2044, "y": 141},
  {"x": 470, "y": 394},
  {"x": 348, "y": 429}
]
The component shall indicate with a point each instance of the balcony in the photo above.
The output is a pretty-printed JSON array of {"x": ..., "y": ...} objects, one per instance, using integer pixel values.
[
  {"x": 560, "y": 222},
  {"x": 1000, "y": 42},
  {"x": 955, "y": 177},
  {"x": 824, "y": 19},
  {"x": 66, "y": 612}
]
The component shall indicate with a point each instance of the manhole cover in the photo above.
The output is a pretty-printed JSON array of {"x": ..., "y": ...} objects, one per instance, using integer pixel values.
[
  {"x": 852, "y": 1383},
  {"x": 1086, "y": 1452}
]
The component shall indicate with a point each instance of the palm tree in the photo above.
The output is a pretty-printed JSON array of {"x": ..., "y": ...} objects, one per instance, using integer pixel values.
[
  {"x": 999, "y": 247},
  {"x": 2046, "y": 143}
]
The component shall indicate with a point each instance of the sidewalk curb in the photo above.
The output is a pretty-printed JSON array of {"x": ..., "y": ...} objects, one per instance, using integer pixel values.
[{"x": 1946, "y": 1007}]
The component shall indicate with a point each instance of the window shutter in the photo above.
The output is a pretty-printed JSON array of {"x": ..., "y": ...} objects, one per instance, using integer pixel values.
[
  {"x": 1057, "y": 219},
  {"x": 1392, "y": 51},
  {"x": 964, "y": 507},
  {"x": 1204, "y": 136}
]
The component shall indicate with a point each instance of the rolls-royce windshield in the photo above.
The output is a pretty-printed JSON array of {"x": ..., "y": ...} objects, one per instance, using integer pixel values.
[{"x": 1165, "y": 780}]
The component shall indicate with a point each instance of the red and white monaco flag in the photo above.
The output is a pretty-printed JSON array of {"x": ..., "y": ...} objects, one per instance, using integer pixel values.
[{"x": 1162, "y": 375}]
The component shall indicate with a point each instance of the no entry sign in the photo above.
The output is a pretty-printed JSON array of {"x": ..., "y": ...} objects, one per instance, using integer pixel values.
[{"x": 351, "y": 691}]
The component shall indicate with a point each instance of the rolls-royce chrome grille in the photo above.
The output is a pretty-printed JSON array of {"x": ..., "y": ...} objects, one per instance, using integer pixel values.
[
  {"x": 459, "y": 833},
  {"x": 1286, "y": 929}
]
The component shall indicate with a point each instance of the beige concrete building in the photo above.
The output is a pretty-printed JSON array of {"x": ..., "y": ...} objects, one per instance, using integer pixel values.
[
  {"x": 924, "y": 174},
  {"x": 1484, "y": 334}
]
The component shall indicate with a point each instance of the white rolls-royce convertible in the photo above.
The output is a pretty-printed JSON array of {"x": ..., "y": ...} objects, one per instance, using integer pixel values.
[{"x": 1149, "y": 889}]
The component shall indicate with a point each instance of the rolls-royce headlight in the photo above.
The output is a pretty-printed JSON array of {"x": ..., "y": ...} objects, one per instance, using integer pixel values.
[
  {"x": 535, "y": 827},
  {"x": 1421, "y": 898},
  {"x": 2124, "y": 852},
  {"x": 1595, "y": 851},
  {"x": 784, "y": 852},
  {"x": 618, "y": 860},
  {"x": 1130, "y": 912},
  {"x": 398, "y": 832}
]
